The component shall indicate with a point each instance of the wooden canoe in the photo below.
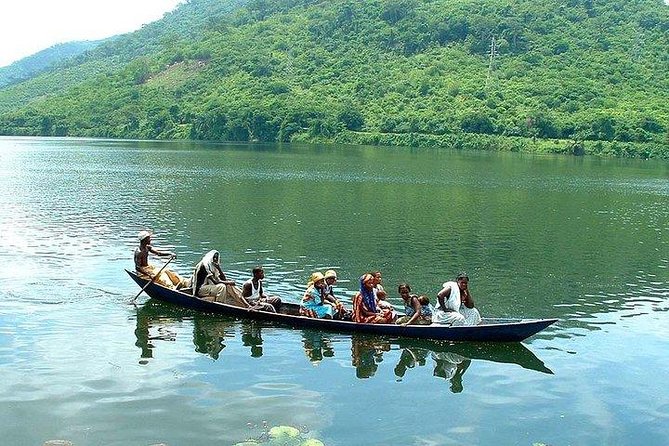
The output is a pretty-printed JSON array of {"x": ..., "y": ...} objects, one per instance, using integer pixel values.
[{"x": 489, "y": 330}]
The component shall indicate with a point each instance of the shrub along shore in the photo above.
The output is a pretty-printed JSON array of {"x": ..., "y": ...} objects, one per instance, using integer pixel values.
[{"x": 468, "y": 141}]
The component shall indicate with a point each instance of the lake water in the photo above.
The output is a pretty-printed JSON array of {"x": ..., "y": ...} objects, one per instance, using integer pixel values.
[{"x": 580, "y": 239}]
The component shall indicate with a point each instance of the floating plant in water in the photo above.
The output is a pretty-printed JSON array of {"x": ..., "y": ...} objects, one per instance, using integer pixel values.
[{"x": 281, "y": 436}]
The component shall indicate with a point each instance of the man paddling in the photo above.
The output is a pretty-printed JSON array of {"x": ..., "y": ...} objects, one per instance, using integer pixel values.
[{"x": 166, "y": 277}]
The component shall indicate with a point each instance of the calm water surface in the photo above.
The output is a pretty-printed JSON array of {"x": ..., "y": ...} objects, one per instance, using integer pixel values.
[{"x": 582, "y": 240}]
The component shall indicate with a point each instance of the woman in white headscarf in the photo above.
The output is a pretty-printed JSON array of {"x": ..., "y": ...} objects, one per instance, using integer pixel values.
[
  {"x": 455, "y": 304},
  {"x": 209, "y": 281}
]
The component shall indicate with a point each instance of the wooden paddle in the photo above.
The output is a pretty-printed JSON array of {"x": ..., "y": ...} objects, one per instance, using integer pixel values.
[{"x": 153, "y": 278}]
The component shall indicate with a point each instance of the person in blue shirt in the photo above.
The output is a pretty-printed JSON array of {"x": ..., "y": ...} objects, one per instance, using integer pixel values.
[{"x": 417, "y": 309}]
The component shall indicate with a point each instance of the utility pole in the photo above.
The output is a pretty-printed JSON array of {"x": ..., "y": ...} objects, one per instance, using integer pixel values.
[{"x": 491, "y": 63}]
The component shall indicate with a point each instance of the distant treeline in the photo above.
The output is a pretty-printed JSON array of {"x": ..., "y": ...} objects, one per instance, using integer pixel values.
[{"x": 577, "y": 77}]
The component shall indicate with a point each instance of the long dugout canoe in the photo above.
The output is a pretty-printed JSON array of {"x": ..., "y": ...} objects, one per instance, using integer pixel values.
[{"x": 489, "y": 330}]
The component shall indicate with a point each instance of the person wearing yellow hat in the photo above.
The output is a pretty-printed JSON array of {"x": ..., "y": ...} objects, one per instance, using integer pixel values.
[
  {"x": 328, "y": 294},
  {"x": 330, "y": 279},
  {"x": 313, "y": 301},
  {"x": 166, "y": 277}
]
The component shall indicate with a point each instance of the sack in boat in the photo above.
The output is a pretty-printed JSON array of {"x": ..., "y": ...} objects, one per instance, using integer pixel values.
[{"x": 231, "y": 295}]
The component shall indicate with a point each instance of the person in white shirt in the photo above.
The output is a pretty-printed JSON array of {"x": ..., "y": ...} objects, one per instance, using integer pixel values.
[
  {"x": 253, "y": 291},
  {"x": 455, "y": 305}
]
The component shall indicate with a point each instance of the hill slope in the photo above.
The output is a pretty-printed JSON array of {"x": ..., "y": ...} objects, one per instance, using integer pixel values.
[
  {"x": 391, "y": 71},
  {"x": 32, "y": 66}
]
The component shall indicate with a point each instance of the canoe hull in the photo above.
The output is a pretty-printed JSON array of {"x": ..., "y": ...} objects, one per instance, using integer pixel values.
[{"x": 491, "y": 330}]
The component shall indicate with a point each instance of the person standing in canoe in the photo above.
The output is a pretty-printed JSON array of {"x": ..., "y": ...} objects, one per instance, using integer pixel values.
[
  {"x": 167, "y": 277},
  {"x": 210, "y": 283},
  {"x": 455, "y": 304},
  {"x": 253, "y": 291},
  {"x": 365, "y": 309},
  {"x": 313, "y": 301}
]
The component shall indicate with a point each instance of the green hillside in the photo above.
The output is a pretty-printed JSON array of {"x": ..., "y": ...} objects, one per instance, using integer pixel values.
[
  {"x": 32, "y": 66},
  {"x": 578, "y": 76}
]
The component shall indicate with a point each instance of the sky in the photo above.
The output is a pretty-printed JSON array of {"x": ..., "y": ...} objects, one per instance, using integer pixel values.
[{"x": 29, "y": 26}]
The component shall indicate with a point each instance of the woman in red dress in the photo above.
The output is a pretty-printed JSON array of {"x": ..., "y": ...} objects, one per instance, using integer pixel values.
[{"x": 365, "y": 309}]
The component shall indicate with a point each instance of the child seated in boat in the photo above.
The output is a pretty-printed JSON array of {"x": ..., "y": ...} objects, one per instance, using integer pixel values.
[
  {"x": 383, "y": 304},
  {"x": 417, "y": 309},
  {"x": 365, "y": 309},
  {"x": 313, "y": 302}
]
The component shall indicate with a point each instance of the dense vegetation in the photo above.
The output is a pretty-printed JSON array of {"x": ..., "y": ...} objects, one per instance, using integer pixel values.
[
  {"x": 579, "y": 76},
  {"x": 33, "y": 65}
]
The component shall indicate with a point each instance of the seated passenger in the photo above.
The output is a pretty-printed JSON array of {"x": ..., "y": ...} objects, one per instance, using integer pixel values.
[
  {"x": 313, "y": 301},
  {"x": 166, "y": 277},
  {"x": 329, "y": 297},
  {"x": 365, "y": 309},
  {"x": 426, "y": 309},
  {"x": 381, "y": 295},
  {"x": 379, "y": 291},
  {"x": 254, "y": 293},
  {"x": 455, "y": 304},
  {"x": 417, "y": 309},
  {"x": 210, "y": 283}
]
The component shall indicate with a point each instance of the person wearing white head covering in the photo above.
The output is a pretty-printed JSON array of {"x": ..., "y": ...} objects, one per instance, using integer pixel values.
[
  {"x": 210, "y": 283},
  {"x": 167, "y": 277},
  {"x": 455, "y": 304}
]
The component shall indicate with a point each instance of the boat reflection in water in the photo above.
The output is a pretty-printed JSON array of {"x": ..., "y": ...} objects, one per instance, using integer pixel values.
[
  {"x": 317, "y": 346},
  {"x": 209, "y": 335},
  {"x": 154, "y": 326},
  {"x": 448, "y": 360},
  {"x": 367, "y": 354},
  {"x": 448, "y": 365},
  {"x": 252, "y": 337},
  {"x": 157, "y": 321}
]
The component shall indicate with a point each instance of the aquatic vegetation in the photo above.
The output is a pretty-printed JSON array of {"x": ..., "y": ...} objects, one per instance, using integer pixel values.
[{"x": 281, "y": 436}]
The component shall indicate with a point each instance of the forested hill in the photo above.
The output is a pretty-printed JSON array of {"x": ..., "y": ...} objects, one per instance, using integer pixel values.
[
  {"x": 575, "y": 75},
  {"x": 33, "y": 65}
]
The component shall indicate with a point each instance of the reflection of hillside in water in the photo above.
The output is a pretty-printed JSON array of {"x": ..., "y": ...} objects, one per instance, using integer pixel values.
[{"x": 158, "y": 321}]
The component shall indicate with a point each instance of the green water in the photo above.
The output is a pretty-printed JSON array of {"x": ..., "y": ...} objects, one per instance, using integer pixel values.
[{"x": 579, "y": 239}]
